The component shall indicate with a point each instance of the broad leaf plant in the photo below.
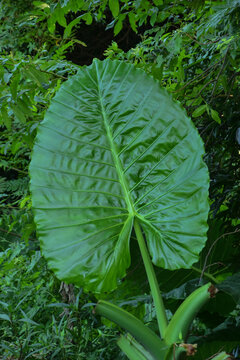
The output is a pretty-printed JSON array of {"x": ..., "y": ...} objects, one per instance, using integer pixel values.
[{"x": 115, "y": 157}]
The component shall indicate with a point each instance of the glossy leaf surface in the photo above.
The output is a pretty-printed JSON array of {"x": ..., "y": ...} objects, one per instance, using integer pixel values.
[{"x": 114, "y": 145}]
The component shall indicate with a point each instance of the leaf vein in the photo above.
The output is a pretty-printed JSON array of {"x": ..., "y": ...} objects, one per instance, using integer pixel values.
[
  {"x": 134, "y": 114},
  {"x": 157, "y": 138},
  {"x": 75, "y": 174},
  {"x": 75, "y": 139},
  {"x": 75, "y": 157},
  {"x": 83, "y": 191},
  {"x": 86, "y": 222}
]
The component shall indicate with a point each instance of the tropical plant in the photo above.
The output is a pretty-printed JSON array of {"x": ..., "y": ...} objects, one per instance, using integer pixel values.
[
  {"x": 192, "y": 48},
  {"x": 123, "y": 159}
]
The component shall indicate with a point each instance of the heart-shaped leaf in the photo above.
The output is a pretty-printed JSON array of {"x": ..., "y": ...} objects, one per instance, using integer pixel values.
[{"x": 114, "y": 146}]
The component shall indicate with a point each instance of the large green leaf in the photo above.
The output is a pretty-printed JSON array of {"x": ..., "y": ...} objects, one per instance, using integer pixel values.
[{"x": 114, "y": 146}]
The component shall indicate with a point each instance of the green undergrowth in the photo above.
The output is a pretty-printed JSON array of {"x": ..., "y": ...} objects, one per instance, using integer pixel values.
[{"x": 39, "y": 319}]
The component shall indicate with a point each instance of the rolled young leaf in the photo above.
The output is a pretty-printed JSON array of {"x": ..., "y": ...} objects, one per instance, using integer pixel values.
[
  {"x": 179, "y": 325},
  {"x": 145, "y": 336},
  {"x": 114, "y": 146}
]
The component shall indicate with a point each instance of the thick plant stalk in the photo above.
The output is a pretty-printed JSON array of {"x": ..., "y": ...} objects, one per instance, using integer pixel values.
[
  {"x": 206, "y": 275},
  {"x": 150, "y": 341},
  {"x": 183, "y": 317},
  {"x": 156, "y": 294}
]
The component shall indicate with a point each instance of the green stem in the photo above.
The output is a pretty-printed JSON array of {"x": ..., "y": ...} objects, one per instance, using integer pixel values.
[
  {"x": 207, "y": 275},
  {"x": 156, "y": 294}
]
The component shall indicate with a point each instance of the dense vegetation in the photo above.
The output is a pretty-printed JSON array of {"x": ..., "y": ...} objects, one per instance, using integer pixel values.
[{"x": 193, "y": 49}]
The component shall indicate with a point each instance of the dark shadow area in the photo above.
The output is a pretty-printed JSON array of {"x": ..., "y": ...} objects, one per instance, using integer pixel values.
[{"x": 97, "y": 39}]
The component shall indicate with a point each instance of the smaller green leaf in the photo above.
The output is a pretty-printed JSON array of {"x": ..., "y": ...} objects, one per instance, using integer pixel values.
[
  {"x": 5, "y": 317},
  {"x": 4, "y": 346},
  {"x": 215, "y": 116},
  {"x": 40, "y": 5},
  {"x": 7, "y": 76},
  {"x": 35, "y": 75},
  {"x": 27, "y": 100},
  {"x": 6, "y": 119},
  {"x": 4, "y": 304},
  {"x": 114, "y": 7},
  {"x": 174, "y": 46},
  {"x": 88, "y": 305},
  {"x": 59, "y": 12},
  {"x": 194, "y": 101},
  {"x": 199, "y": 111},
  {"x": 158, "y": 2},
  {"x": 63, "y": 48},
  {"x": 143, "y": 19},
  {"x": 231, "y": 287},
  {"x": 153, "y": 18},
  {"x": 51, "y": 23},
  {"x": 88, "y": 18},
  {"x": 14, "y": 86},
  {"x": 68, "y": 30},
  {"x": 24, "y": 201},
  {"x": 24, "y": 107},
  {"x": 118, "y": 27},
  {"x": 29, "y": 321},
  {"x": 80, "y": 42},
  {"x": 62, "y": 305},
  {"x": 132, "y": 21},
  {"x": 77, "y": 5},
  {"x": 18, "y": 114}
]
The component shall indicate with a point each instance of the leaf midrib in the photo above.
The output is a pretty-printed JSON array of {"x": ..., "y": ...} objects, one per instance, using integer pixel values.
[{"x": 116, "y": 160}]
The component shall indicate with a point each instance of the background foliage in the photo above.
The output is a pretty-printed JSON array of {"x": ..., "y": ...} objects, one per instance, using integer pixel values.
[{"x": 193, "y": 49}]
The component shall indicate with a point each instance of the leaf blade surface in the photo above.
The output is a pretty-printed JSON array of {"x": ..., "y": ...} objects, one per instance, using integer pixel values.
[{"x": 114, "y": 145}]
